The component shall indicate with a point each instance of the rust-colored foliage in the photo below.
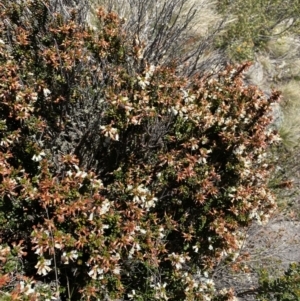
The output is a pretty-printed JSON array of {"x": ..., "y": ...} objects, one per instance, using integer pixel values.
[{"x": 119, "y": 178}]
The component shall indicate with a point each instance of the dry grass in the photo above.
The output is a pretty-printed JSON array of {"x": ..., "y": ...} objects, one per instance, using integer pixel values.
[
  {"x": 281, "y": 47},
  {"x": 177, "y": 30},
  {"x": 293, "y": 68},
  {"x": 279, "y": 67},
  {"x": 290, "y": 127},
  {"x": 206, "y": 16}
]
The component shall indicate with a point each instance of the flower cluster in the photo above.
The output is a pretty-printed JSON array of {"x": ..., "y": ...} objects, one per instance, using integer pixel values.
[{"x": 142, "y": 196}]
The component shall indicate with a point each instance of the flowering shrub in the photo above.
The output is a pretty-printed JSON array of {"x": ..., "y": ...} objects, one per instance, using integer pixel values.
[{"x": 119, "y": 179}]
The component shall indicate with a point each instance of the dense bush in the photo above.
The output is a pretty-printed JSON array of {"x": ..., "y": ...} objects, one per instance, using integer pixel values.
[{"x": 119, "y": 179}]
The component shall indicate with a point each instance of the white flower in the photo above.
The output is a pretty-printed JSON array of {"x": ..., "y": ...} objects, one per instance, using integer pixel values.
[
  {"x": 73, "y": 255},
  {"x": 159, "y": 286},
  {"x": 150, "y": 203},
  {"x": 116, "y": 270},
  {"x": 196, "y": 249},
  {"x": 143, "y": 82},
  {"x": 135, "y": 121},
  {"x": 46, "y": 92},
  {"x": 22, "y": 286},
  {"x": 38, "y": 157},
  {"x": 160, "y": 291},
  {"x": 95, "y": 271},
  {"x": 136, "y": 199},
  {"x": 150, "y": 72},
  {"x": 185, "y": 93},
  {"x": 27, "y": 289},
  {"x": 39, "y": 251},
  {"x": 35, "y": 158},
  {"x": 194, "y": 144},
  {"x": 239, "y": 150},
  {"x": 97, "y": 183},
  {"x": 210, "y": 282},
  {"x": 143, "y": 231},
  {"x": 34, "y": 96},
  {"x": 173, "y": 111},
  {"x": 137, "y": 247},
  {"x": 76, "y": 167},
  {"x": 177, "y": 260},
  {"x": 69, "y": 173},
  {"x": 161, "y": 234},
  {"x": 93, "y": 274},
  {"x": 210, "y": 247},
  {"x": 43, "y": 266},
  {"x": 116, "y": 256},
  {"x": 132, "y": 294},
  {"x": 105, "y": 207},
  {"x": 5, "y": 142},
  {"x": 142, "y": 196},
  {"x": 19, "y": 97},
  {"x": 81, "y": 174},
  {"x": 142, "y": 189},
  {"x": 224, "y": 253},
  {"x": 110, "y": 132},
  {"x": 58, "y": 245},
  {"x": 91, "y": 216}
]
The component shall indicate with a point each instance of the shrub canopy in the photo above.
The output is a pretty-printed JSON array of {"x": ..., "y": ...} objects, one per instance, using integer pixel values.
[{"x": 119, "y": 179}]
